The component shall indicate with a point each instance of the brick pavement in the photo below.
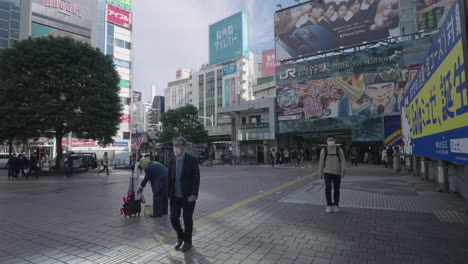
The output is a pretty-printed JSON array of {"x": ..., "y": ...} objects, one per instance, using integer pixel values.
[{"x": 271, "y": 228}]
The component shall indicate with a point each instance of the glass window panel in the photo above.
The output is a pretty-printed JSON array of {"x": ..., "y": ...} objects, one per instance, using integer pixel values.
[
  {"x": 110, "y": 30},
  {"x": 4, "y": 6},
  {"x": 4, "y": 15},
  {"x": 120, "y": 43},
  {"x": 15, "y": 4},
  {"x": 4, "y": 25},
  {"x": 110, "y": 40},
  {"x": 14, "y": 34},
  {"x": 15, "y": 15},
  {"x": 3, "y": 43},
  {"x": 110, "y": 50},
  {"x": 14, "y": 24},
  {"x": 127, "y": 45},
  {"x": 4, "y": 34}
]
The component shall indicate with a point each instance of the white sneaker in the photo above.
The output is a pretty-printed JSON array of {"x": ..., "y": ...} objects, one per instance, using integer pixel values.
[
  {"x": 336, "y": 209},
  {"x": 329, "y": 209}
]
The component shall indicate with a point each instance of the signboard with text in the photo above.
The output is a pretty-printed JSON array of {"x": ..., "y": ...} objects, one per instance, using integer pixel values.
[
  {"x": 125, "y": 119},
  {"x": 269, "y": 63},
  {"x": 392, "y": 130},
  {"x": 229, "y": 83},
  {"x": 319, "y": 26},
  {"x": 228, "y": 38},
  {"x": 122, "y": 4},
  {"x": 79, "y": 143},
  {"x": 122, "y": 63},
  {"x": 436, "y": 104},
  {"x": 118, "y": 16}
]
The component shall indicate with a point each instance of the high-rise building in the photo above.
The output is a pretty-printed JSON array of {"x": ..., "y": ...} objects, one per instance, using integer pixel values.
[
  {"x": 179, "y": 92},
  {"x": 9, "y": 22}
]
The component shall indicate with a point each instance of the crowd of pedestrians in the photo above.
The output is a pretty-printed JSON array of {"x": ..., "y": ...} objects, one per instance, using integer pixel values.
[
  {"x": 21, "y": 163},
  {"x": 287, "y": 157}
]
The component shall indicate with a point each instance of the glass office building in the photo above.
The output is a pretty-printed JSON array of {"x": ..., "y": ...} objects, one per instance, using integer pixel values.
[{"x": 9, "y": 22}]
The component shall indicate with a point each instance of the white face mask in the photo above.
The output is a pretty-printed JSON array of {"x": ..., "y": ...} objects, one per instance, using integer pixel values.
[
  {"x": 177, "y": 151},
  {"x": 331, "y": 143}
]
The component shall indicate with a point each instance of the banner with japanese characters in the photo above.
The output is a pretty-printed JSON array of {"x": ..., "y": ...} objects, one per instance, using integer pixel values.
[
  {"x": 118, "y": 16},
  {"x": 269, "y": 63},
  {"x": 363, "y": 94},
  {"x": 229, "y": 39},
  {"x": 229, "y": 82},
  {"x": 436, "y": 103}
]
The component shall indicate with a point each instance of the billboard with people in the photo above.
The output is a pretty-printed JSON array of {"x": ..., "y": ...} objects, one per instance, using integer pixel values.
[
  {"x": 435, "y": 106},
  {"x": 323, "y": 25},
  {"x": 362, "y": 94}
]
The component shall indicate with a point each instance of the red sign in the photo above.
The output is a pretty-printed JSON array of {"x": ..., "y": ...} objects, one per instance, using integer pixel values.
[
  {"x": 64, "y": 6},
  {"x": 118, "y": 16},
  {"x": 179, "y": 73},
  {"x": 77, "y": 143},
  {"x": 233, "y": 90},
  {"x": 269, "y": 63},
  {"x": 125, "y": 119}
]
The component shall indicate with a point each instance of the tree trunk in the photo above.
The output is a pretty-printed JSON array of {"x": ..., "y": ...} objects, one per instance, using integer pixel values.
[
  {"x": 58, "y": 143},
  {"x": 10, "y": 147}
]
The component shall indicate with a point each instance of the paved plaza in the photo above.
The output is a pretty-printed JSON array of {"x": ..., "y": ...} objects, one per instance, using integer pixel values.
[{"x": 245, "y": 214}]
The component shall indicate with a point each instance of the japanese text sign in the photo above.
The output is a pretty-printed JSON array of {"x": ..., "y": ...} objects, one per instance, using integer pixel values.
[
  {"x": 118, "y": 16},
  {"x": 269, "y": 63}
]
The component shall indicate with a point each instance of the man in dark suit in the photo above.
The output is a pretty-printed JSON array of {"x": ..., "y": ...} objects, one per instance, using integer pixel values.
[{"x": 184, "y": 181}]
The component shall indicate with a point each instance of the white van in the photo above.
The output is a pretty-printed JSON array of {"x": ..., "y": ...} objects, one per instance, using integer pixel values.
[{"x": 3, "y": 160}]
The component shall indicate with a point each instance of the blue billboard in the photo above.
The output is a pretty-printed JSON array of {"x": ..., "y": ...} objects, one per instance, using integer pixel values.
[
  {"x": 229, "y": 38},
  {"x": 435, "y": 106},
  {"x": 122, "y": 63}
]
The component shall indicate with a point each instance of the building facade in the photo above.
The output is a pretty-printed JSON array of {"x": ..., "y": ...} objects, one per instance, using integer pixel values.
[{"x": 179, "y": 92}]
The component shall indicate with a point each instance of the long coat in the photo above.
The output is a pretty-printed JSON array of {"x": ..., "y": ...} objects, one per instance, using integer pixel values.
[
  {"x": 397, "y": 160},
  {"x": 157, "y": 175}
]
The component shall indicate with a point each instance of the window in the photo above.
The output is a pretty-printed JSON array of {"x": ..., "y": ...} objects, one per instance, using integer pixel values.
[
  {"x": 110, "y": 40},
  {"x": 15, "y": 16},
  {"x": 5, "y": 6},
  {"x": 14, "y": 34},
  {"x": 110, "y": 50},
  {"x": 127, "y": 45},
  {"x": 3, "y": 33},
  {"x": 126, "y": 135},
  {"x": 4, "y": 25},
  {"x": 110, "y": 30},
  {"x": 255, "y": 119},
  {"x": 3, "y": 43},
  {"x": 14, "y": 24},
  {"x": 4, "y": 15},
  {"x": 120, "y": 43},
  {"x": 244, "y": 120}
]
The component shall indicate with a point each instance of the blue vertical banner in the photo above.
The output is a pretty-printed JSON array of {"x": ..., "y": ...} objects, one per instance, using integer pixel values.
[
  {"x": 229, "y": 38},
  {"x": 436, "y": 102},
  {"x": 392, "y": 130}
]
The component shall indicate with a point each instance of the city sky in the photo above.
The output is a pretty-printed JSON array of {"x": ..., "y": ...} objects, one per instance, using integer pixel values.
[{"x": 174, "y": 34}]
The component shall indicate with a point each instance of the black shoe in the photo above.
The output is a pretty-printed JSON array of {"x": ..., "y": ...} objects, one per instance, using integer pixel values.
[
  {"x": 179, "y": 244},
  {"x": 186, "y": 247}
]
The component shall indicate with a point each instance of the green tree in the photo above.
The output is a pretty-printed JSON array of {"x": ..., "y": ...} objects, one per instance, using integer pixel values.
[
  {"x": 183, "y": 122},
  {"x": 66, "y": 85}
]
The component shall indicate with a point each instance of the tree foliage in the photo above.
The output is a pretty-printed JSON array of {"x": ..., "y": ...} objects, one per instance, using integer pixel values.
[
  {"x": 60, "y": 85},
  {"x": 183, "y": 122}
]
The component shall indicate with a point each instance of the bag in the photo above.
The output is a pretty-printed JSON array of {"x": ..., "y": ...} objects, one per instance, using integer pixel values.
[
  {"x": 131, "y": 206},
  {"x": 337, "y": 154}
]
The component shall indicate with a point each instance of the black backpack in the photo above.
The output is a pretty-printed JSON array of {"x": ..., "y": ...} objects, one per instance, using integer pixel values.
[{"x": 337, "y": 154}]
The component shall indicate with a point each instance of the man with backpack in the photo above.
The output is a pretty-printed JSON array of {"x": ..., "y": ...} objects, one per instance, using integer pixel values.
[{"x": 332, "y": 167}]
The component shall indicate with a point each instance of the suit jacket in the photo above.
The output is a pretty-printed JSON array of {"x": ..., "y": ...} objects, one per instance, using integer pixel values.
[{"x": 190, "y": 176}]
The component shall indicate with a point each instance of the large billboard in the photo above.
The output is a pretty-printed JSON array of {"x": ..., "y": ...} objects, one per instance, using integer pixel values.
[
  {"x": 229, "y": 38},
  {"x": 323, "y": 25},
  {"x": 122, "y": 4},
  {"x": 73, "y": 16},
  {"x": 436, "y": 104},
  {"x": 269, "y": 63},
  {"x": 430, "y": 14},
  {"x": 118, "y": 16},
  {"x": 363, "y": 94}
]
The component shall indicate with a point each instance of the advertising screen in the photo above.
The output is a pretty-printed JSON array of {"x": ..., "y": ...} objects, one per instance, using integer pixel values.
[
  {"x": 363, "y": 94},
  {"x": 436, "y": 104},
  {"x": 392, "y": 130},
  {"x": 136, "y": 96},
  {"x": 229, "y": 38},
  {"x": 72, "y": 16},
  {"x": 430, "y": 14},
  {"x": 229, "y": 82},
  {"x": 118, "y": 16},
  {"x": 323, "y": 25},
  {"x": 122, "y": 4},
  {"x": 269, "y": 63}
]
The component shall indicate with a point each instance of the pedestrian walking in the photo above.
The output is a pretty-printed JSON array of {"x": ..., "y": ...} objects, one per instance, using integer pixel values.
[
  {"x": 354, "y": 157},
  {"x": 221, "y": 158},
  {"x": 397, "y": 159},
  {"x": 301, "y": 158},
  {"x": 295, "y": 158},
  {"x": 11, "y": 165},
  {"x": 279, "y": 157},
  {"x": 332, "y": 167},
  {"x": 69, "y": 163},
  {"x": 157, "y": 175},
  {"x": 390, "y": 157},
  {"x": 273, "y": 157},
  {"x": 105, "y": 163},
  {"x": 385, "y": 157},
  {"x": 183, "y": 185},
  {"x": 32, "y": 166},
  {"x": 286, "y": 156}
]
